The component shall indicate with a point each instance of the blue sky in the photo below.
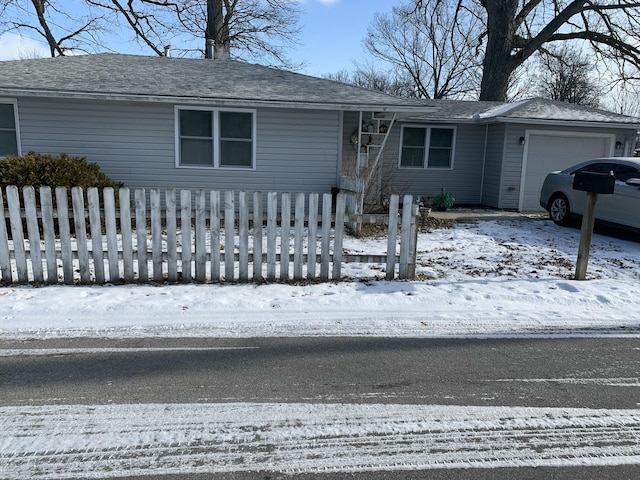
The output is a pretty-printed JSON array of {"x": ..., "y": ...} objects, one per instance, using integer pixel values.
[{"x": 330, "y": 40}]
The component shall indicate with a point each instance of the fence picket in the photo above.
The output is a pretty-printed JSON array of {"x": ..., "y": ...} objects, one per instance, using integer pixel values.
[
  {"x": 201, "y": 245},
  {"x": 79, "y": 222},
  {"x": 272, "y": 219},
  {"x": 5, "y": 256},
  {"x": 215, "y": 235},
  {"x": 189, "y": 242},
  {"x": 110, "y": 232},
  {"x": 125, "y": 229},
  {"x": 229, "y": 235},
  {"x": 312, "y": 236},
  {"x": 48, "y": 234},
  {"x": 64, "y": 230},
  {"x": 172, "y": 234},
  {"x": 257, "y": 236},
  {"x": 298, "y": 242},
  {"x": 185, "y": 228},
  {"x": 285, "y": 235},
  {"x": 141, "y": 234},
  {"x": 17, "y": 233},
  {"x": 156, "y": 233},
  {"x": 325, "y": 246},
  {"x": 33, "y": 232},
  {"x": 243, "y": 236},
  {"x": 93, "y": 201}
]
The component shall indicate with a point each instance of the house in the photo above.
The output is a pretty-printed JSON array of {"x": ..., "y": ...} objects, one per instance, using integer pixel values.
[
  {"x": 497, "y": 154},
  {"x": 221, "y": 124}
]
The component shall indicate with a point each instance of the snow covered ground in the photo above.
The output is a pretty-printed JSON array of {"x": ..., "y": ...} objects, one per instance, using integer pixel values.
[
  {"x": 487, "y": 279},
  {"x": 504, "y": 277}
]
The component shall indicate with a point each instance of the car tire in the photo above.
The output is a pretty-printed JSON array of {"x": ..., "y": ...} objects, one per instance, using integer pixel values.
[{"x": 559, "y": 210}]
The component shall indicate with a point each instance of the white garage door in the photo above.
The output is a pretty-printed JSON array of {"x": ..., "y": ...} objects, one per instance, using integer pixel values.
[{"x": 547, "y": 153}]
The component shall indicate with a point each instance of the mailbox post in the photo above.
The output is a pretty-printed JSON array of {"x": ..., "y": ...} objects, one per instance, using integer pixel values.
[{"x": 594, "y": 184}]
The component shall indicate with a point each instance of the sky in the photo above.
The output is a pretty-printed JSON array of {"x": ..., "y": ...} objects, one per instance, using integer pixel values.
[{"x": 331, "y": 36}]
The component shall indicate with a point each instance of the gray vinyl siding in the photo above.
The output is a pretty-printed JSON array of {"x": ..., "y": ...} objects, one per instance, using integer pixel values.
[
  {"x": 514, "y": 153},
  {"x": 462, "y": 181},
  {"x": 493, "y": 165},
  {"x": 296, "y": 150}
]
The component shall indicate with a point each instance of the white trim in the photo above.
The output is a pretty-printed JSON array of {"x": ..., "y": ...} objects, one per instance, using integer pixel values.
[
  {"x": 215, "y": 111},
  {"x": 16, "y": 120},
  {"x": 556, "y": 133},
  {"x": 425, "y": 159}
]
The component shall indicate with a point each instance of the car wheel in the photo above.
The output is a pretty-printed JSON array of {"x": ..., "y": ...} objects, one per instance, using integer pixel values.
[{"x": 559, "y": 210}]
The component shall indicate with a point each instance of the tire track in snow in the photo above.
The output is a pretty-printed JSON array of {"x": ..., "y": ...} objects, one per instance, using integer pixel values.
[{"x": 75, "y": 441}]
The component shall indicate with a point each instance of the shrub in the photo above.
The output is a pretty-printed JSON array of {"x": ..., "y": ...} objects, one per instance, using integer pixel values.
[
  {"x": 36, "y": 170},
  {"x": 443, "y": 200}
]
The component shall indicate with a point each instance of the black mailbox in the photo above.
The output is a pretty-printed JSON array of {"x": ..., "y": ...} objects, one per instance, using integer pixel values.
[{"x": 603, "y": 183}]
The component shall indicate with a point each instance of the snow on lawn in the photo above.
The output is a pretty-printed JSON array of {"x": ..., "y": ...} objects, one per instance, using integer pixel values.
[{"x": 504, "y": 277}]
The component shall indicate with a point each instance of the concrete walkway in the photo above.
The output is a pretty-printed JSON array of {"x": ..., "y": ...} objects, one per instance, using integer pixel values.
[{"x": 469, "y": 214}]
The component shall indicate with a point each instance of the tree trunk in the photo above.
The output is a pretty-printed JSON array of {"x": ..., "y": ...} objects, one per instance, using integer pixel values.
[
  {"x": 217, "y": 35},
  {"x": 498, "y": 64}
]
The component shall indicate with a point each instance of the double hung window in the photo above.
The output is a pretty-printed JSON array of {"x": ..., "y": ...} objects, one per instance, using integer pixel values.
[
  {"x": 8, "y": 130},
  {"x": 427, "y": 147},
  {"x": 215, "y": 138}
]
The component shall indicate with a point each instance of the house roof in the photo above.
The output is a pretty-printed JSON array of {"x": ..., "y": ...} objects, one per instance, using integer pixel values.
[
  {"x": 530, "y": 111},
  {"x": 188, "y": 80}
]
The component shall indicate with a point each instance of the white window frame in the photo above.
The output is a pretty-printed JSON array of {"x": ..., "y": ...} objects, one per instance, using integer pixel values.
[
  {"x": 216, "y": 137},
  {"x": 14, "y": 102},
  {"x": 427, "y": 147}
]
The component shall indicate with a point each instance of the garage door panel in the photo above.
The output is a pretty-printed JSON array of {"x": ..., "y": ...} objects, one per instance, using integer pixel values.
[{"x": 547, "y": 153}]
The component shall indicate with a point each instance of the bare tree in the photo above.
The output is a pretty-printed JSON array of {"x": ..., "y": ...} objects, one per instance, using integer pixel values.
[
  {"x": 566, "y": 77},
  {"x": 257, "y": 30},
  {"x": 517, "y": 29},
  {"x": 431, "y": 42},
  {"x": 51, "y": 21},
  {"x": 389, "y": 81}
]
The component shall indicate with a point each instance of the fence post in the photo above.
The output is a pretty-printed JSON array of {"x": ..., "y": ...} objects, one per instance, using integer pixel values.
[
  {"x": 339, "y": 234},
  {"x": 65, "y": 234},
  {"x": 243, "y": 236},
  {"x": 33, "y": 232},
  {"x": 17, "y": 233},
  {"x": 229, "y": 235},
  {"x": 257, "y": 236},
  {"x": 156, "y": 233},
  {"x": 125, "y": 227},
  {"x": 172, "y": 234},
  {"x": 111, "y": 232},
  {"x": 185, "y": 228},
  {"x": 215, "y": 235},
  {"x": 392, "y": 236},
  {"x": 405, "y": 237},
  {"x": 49, "y": 234}
]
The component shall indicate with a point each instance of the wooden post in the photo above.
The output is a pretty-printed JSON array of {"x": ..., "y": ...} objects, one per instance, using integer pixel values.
[{"x": 588, "y": 220}]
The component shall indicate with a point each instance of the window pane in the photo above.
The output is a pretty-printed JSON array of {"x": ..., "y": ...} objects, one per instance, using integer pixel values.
[
  {"x": 412, "y": 157},
  {"x": 439, "y": 158},
  {"x": 236, "y": 153},
  {"x": 598, "y": 168},
  {"x": 413, "y": 137},
  {"x": 625, "y": 172},
  {"x": 196, "y": 123},
  {"x": 441, "y": 137},
  {"x": 196, "y": 152},
  {"x": 7, "y": 119},
  {"x": 236, "y": 125},
  {"x": 8, "y": 144}
]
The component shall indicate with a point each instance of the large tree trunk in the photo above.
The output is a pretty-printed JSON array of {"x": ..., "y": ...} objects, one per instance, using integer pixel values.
[
  {"x": 217, "y": 35},
  {"x": 498, "y": 64}
]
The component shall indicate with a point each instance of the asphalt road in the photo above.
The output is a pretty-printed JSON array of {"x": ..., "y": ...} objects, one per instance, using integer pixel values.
[{"x": 589, "y": 373}]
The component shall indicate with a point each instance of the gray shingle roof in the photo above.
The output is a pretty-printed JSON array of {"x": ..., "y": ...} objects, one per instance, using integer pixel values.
[{"x": 162, "y": 78}]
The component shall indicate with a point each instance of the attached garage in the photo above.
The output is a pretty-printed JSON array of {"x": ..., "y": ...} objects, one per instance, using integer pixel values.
[
  {"x": 550, "y": 151},
  {"x": 528, "y": 139}
]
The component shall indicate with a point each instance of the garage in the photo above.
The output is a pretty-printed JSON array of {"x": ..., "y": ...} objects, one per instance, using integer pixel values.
[{"x": 546, "y": 152}]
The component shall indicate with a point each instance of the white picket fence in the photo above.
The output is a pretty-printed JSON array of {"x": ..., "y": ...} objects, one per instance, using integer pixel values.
[{"x": 186, "y": 236}]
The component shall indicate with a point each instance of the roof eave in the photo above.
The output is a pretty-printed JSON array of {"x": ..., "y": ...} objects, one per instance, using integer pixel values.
[
  {"x": 231, "y": 102},
  {"x": 567, "y": 123}
]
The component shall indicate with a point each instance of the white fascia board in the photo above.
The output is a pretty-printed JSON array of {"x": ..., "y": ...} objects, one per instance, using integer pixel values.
[
  {"x": 230, "y": 102},
  {"x": 566, "y": 123}
]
